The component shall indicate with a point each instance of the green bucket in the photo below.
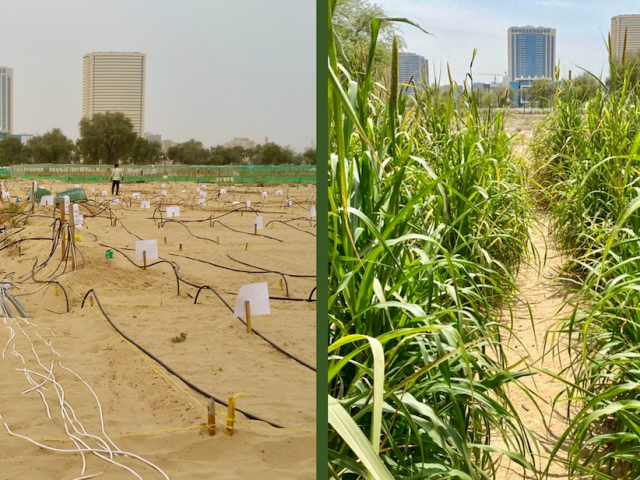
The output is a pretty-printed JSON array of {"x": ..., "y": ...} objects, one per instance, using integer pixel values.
[{"x": 108, "y": 254}]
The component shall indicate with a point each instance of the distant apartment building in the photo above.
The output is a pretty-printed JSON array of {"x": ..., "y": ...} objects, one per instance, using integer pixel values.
[
  {"x": 115, "y": 82},
  {"x": 6, "y": 100},
  {"x": 621, "y": 25},
  {"x": 412, "y": 68},
  {"x": 532, "y": 52},
  {"x": 167, "y": 144},
  {"x": 153, "y": 137},
  {"x": 240, "y": 142}
]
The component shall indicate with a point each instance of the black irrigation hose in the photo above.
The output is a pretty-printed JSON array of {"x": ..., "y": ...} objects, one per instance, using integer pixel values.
[
  {"x": 50, "y": 281},
  {"x": 173, "y": 265},
  {"x": 295, "y": 228},
  {"x": 311, "y": 294},
  {"x": 270, "y": 271},
  {"x": 200, "y": 287},
  {"x": 247, "y": 233},
  {"x": 280, "y": 349},
  {"x": 167, "y": 367}
]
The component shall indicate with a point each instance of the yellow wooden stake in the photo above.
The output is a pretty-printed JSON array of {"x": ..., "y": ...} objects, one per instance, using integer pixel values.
[
  {"x": 165, "y": 240},
  {"x": 247, "y": 307},
  {"x": 281, "y": 284},
  {"x": 180, "y": 247},
  {"x": 144, "y": 259},
  {"x": 255, "y": 228},
  {"x": 218, "y": 240},
  {"x": 231, "y": 416},
  {"x": 246, "y": 247}
]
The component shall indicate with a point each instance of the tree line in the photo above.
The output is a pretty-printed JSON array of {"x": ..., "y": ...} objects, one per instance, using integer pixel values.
[{"x": 108, "y": 138}]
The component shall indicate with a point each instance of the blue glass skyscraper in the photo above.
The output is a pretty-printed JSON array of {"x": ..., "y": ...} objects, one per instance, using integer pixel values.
[
  {"x": 412, "y": 68},
  {"x": 532, "y": 52}
]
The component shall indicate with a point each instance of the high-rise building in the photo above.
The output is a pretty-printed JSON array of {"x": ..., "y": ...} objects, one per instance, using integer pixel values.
[
  {"x": 115, "y": 82},
  {"x": 412, "y": 68},
  {"x": 6, "y": 100},
  {"x": 240, "y": 142},
  {"x": 621, "y": 25},
  {"x": 532, "y": 52}
]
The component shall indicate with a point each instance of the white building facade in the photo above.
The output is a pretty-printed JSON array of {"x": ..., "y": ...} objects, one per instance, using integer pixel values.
[{"x": 115, "y": 82}]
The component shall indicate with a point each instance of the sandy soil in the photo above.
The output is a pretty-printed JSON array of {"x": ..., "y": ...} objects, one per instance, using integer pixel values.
[
  {"x": 147, "y": 411},
  {"x": 543, "y": 295}
]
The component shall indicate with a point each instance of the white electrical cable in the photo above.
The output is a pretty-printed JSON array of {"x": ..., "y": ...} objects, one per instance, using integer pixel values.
[{"x": 69, "y": 415}]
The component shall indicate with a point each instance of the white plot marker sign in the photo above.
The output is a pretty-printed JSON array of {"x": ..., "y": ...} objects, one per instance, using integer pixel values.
[
  {"x": 248, "y": 203},
  {"x": 5, "y": 195},
  {"x": 162, "y": 185},
  {"x": 279, "y": 192},
  {"x": 163, "y": 193},
  {"x": 115, "y": 201},
  {"x": 104, "y": 193},
  {"x": 46, "y": 200},
  {"x": 258, "y": 223},
  {"x": 202, "y": 201},
  {"x": 135, "y": 195},
  {"x": 78, "y": 219},
  {"x": 203, "y": 194},
  {"x": 223, "y": 191},
  {"x": 173, "y": 212},
  {"x": 65, "y": 201},
  {"x": 265, "y": 194},
  {"x": 149, "y": 246},
  {"x": 257, "y": 294},
  {"x": 312, "y": 211},
  {"x": 145, "y": 204}
]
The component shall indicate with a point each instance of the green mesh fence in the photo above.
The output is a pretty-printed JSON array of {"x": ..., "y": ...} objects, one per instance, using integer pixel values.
[
  {"x": 227, "y": 174},
  {"x": 4, "y": 172}
]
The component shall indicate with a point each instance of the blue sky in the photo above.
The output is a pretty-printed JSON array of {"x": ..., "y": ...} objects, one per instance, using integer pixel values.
[
  {"x": 215, "y": 69},
  {"x": 460, "y": 26}
]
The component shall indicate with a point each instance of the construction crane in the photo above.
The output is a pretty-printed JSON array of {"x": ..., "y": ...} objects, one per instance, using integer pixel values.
[{"x": 495, "y": 76}]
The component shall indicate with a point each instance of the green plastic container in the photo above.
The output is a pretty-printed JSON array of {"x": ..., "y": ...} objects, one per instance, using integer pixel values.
[
  {"x": 108, "y": 254},
  {"x": 40, "y": 192},
  {"x": 75, "y": 195}
]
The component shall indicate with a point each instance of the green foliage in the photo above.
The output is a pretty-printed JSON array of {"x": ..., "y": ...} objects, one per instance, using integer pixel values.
[
  {"x": 106, "y": 138},
  {"x": 11, "y": 150},
  {"x": 52, "y": 147},
  {"x": 542, "y": 93},
  {"x": 586, "y": 158},
  {"x": 428, "y": 220},
  {"x": 145, "y": 152},
  {"x": 352, "y": 24},
  {"x": 189, "y": 153},
  {"x": 499, "y": 97}
]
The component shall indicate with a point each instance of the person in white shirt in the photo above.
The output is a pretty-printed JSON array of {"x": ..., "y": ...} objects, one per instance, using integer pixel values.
[{"x": 116, "y": 178}]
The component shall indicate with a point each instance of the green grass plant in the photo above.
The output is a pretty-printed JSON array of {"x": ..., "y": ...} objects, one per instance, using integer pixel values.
[{"x": 428, "y": 222}]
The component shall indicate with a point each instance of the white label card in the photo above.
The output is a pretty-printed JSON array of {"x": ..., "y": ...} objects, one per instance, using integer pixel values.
[
  {"x": 202, "y": 201},
  {"x": 248, "y": 203},
  {"x": 149, "y": 246},
  {"x": 312, "y": 211},
  {"x": 93, "y": 190},
  {"x": 77, "y": 186},
  {"x": 115, "y": 201},
  {"x": 104, "y": 193},
  {"x": 46, "y": 200},
  {"x": 265, "y": 194},
  {"x": 278, "y": 192},
  {"x": 65, "y": 201},
  {"x": 258, "y": 223},
  {"x": 173, "y": 212},
  {"x": 135, "y": 195},
  {"x": 163, "y": 185},
  {"x": 203, "y": 194},
  {"x": 257, "y": 294},
  {"x": 145, "y": 204},
  {"x": 163, "y": 192},
  {"x": 223, "y": 191}
]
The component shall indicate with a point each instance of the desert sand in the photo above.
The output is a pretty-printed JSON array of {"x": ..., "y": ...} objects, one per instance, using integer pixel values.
[{"x": 115, "y": 398}]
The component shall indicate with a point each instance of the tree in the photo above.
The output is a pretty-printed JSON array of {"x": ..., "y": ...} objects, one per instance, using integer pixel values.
[
  {"x": 309, "y": 156},
  {"x": 10, "y": 151},
  {"x": 542, "y": 92},
  {"x": 145, "y": 152},
  {"x": 106, "y": 137},
  {"x": 352, "y": 26},
  {"x": 272, "y": 154},
  {"x": 189, "y": 153},
  {"x": 52, "y": 147}
]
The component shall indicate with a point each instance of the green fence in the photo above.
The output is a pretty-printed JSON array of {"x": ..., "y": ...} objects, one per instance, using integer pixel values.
[
  {"x": 4, "y": 172},
  {"x": 227, "y": 174}
]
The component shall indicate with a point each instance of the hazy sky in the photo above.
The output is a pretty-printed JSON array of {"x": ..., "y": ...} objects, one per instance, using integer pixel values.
[
  {"x": 460, "y": 26},
  {"x": 215, "y": 69}
]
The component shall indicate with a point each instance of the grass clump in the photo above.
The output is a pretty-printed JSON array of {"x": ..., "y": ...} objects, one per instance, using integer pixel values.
[
  {"x": 587, "y": 164},
  {"x": 428, "y": 221},
  {"x": 179, "y": 338}
]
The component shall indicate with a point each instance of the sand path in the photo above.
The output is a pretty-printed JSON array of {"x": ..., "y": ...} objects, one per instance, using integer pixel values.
[{"x": 542, "y": 299}]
